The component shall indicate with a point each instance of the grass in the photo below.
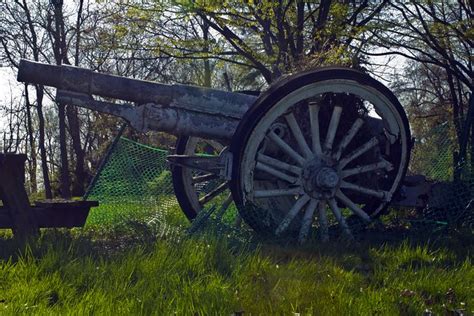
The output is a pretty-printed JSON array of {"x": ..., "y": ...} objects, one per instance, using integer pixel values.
[
  {"x": 117, "y": 210},
  {"x": 151, "y": 266}
]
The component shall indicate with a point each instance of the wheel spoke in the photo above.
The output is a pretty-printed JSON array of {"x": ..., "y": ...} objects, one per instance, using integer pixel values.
[
  {"x": 323, "y": 221},
  {"x": 209, "y": 196},
  {"x": 280, "y": 175},
  {"x": 352, "y": 206},
  {"x": 292, "y": 213},
  {"x": 383, "y": 164},
  {"x": 359, "y": 151},
  {"x": 384, "y": 195},
  {"x": 286, "y": 148},
  {"x": 224, "y": 206},
  {"x": 307, "y": 220},
  {"x": 238, "y": 221},
  {"x": 314, "y": 120},
  {"x": 295, "y": 129},
  {"x": 340, "y": 219},
  {"x": 348, "y": 137},
  {"x": 276, "y": 192},
  {"x": 204, "y": 178},
  {"x": 278, "y": 164},
  {"x": 332, "y": 129}
]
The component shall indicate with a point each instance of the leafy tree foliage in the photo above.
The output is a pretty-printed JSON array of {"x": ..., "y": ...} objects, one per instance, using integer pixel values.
[
  {"x": 438, "y": 40},
  {"x": 231, "y": 45}
]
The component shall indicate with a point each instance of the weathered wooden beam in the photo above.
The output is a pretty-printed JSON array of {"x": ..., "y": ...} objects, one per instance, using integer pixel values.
[
  {"x": 65, "y": 214},
  {"x": 13, "y": 194}
]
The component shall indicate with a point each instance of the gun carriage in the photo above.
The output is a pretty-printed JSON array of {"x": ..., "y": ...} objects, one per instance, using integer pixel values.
[{"x": 329, "y": 145}]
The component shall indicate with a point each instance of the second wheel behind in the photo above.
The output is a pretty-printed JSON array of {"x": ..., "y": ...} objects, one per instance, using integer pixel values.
[{"x": 197, "y": 190}]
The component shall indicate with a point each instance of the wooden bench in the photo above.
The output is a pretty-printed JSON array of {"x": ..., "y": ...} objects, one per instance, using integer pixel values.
[{"x": 24, "y": 219}]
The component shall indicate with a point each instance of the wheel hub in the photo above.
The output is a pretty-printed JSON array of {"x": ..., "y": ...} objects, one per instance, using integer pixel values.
[
  {"x": 326, "y": 178},
  {"x": 319, "y": 179}
]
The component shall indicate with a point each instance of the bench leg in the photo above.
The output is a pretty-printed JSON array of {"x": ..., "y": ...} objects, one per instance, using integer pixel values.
[{"x": 14, "y": 196}]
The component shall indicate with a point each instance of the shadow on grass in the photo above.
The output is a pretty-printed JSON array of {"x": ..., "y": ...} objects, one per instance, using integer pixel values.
[
  {"x": 233, "y": 269},
  {"x": 129, "y": 234}
]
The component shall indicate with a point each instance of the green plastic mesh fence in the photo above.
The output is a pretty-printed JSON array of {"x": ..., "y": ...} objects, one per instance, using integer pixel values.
[
  {"x": 452, "y": 203},
  {"x": 134, "y": 180}
]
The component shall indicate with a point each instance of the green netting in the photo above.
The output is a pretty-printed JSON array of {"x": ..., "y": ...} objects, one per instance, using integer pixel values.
[
  {"x": 452, "y": 202},
  {"x": 134, "y": 180}
]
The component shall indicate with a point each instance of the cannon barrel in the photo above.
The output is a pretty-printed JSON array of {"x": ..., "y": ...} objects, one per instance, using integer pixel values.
[{"x": 178, "y": 109}]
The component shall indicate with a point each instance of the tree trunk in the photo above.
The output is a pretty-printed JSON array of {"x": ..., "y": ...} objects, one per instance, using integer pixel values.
[
  {"x": 39, "y": 104},
  {"x": 74, "y": 129},
  {"x": 32, "y": 161},
  {"x": 79, "y": 180},
  {"x": 60, "y": 54},
  {"x": 207, "y": 64},
  {"x": 300, "y": 29},
  {"x": 65, "y": 185},
  {"x": 472, "y": 152},
  {"x": 41, "y": 145}
]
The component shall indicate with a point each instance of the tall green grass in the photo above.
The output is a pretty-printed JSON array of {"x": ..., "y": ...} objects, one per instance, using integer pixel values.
[
  {"x": 141, "y": 272},
  {"x": 145, "y": 262}
]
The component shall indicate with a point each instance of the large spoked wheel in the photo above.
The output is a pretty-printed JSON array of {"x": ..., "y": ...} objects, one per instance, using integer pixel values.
[
  {"x": 324, "y": 147},
  {"x": 195, "y": 189}
]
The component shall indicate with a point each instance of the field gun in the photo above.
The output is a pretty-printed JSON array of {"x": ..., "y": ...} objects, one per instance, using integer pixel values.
[
  {"x": 178, "y": 109},
  {"x": 322, "y": 147}
]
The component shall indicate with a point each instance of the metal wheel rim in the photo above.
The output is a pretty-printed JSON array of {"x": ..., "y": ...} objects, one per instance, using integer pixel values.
[
  {"x": 388, "y": 111},
  {"x": 185, "y": 183}
]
